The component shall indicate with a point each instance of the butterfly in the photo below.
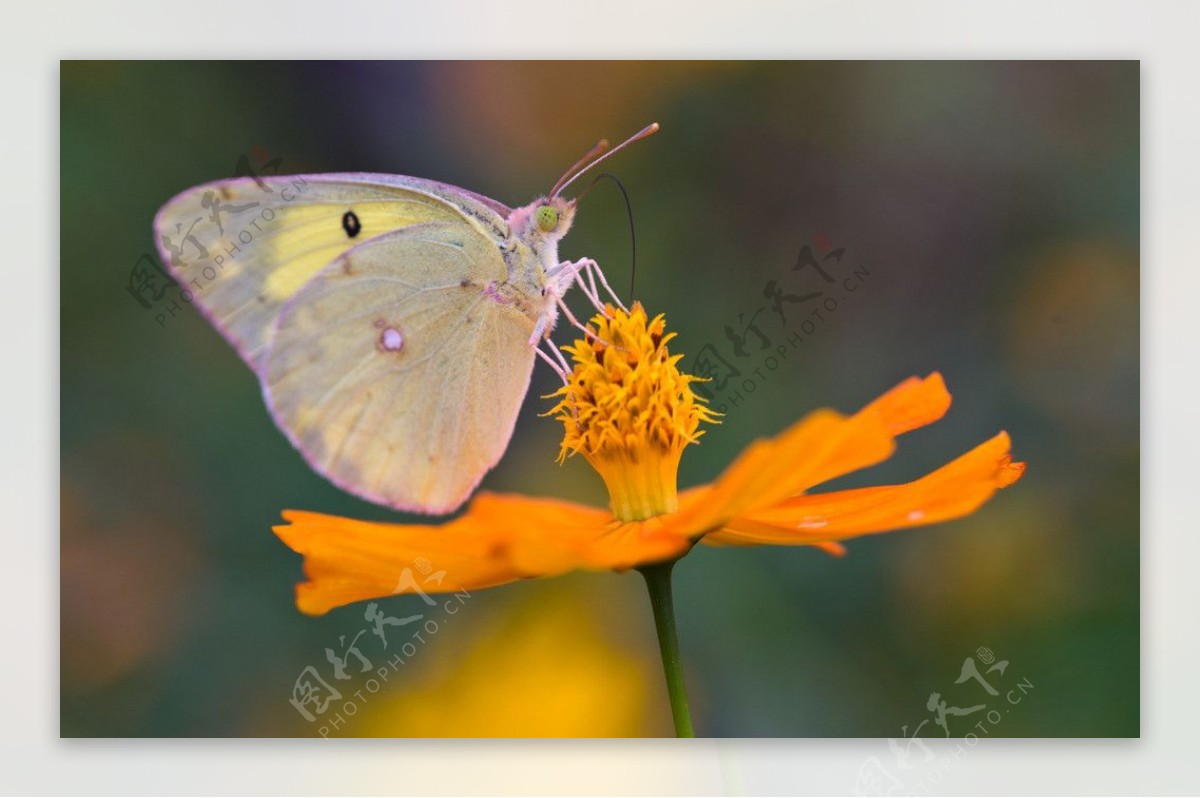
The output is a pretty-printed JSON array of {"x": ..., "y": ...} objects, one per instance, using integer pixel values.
[{"x": 392, "y": 321}]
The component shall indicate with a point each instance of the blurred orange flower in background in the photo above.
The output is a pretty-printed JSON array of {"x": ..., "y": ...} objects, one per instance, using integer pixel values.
[{"x": 630, "y": 412}]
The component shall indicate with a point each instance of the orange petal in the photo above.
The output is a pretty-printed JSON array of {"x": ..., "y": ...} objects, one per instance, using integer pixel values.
[
  {"x": 735, "y": 539},
  {"x": 831, "y": 548},
  {"x": 952, "y": 491},
  {"x": 347, "y": 560},
  {"x": 499, "y": 539},
  {"x": 550, "y": 536},
  {"x": 820, "y": 447},
  {"x": 912, "y": 404}
]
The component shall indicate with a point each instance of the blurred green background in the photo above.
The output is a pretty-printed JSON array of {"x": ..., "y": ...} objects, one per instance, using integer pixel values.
[{"x": 993, "y": 209}]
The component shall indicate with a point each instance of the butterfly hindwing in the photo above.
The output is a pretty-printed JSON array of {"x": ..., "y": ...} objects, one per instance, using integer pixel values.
[{"x": 396, "y": 372}]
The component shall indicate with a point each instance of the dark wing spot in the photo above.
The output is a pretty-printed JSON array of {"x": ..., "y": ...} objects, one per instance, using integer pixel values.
[
  {"x": 465, "y": 282},
  {"x": 351, "y": 224}
]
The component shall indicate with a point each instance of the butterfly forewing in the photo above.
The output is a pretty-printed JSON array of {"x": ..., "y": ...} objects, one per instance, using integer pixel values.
[{"x": 241, "y": 248}]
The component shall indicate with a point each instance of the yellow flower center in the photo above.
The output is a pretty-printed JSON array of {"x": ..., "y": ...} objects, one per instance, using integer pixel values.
[{"x": 629, "y": 411}]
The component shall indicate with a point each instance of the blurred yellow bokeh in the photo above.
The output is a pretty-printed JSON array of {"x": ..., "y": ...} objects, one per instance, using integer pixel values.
[{"x": 544, "y": 669}]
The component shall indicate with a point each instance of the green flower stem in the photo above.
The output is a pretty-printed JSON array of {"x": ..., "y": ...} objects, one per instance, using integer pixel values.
[{"x": 658, "y": 583}]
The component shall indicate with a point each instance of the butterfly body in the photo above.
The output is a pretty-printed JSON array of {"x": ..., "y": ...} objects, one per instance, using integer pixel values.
[{"x": 392, "y": 321}]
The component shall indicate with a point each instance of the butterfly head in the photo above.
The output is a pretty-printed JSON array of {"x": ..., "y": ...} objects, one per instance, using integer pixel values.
[
  {"x": 553, "y": 216},
  {"x": 545, "y": 220}
]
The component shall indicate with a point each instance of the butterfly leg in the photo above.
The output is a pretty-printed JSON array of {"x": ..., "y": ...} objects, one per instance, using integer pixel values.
[
  {"x": 568, "y": 272},
  {"x": 591, "y": 293},
  {"x": 594, "y": 270},
  {"x": 587, "y": 331},
  {"x": 556, "y": 365},
  {"x": 561, "y": 279},
  {"x": 558, "y": 354},
  {"x": 545, "y": 325},
  {"x": 592, "y": 284},
  {"x": 541, "y": 335},
  {"x": 562, "y": 370}
]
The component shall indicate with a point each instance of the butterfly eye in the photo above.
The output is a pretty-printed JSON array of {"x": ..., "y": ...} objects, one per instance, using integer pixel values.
[{"x": 547, "y": 218}]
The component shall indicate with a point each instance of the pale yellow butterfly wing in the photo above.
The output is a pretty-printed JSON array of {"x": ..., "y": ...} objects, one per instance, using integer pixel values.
[
  {"x": 396, "y": 373},
  {"x": 241, "y": 248}
]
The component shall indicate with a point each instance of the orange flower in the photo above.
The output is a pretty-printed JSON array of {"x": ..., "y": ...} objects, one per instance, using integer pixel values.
[{"x": 630, "y": 412}]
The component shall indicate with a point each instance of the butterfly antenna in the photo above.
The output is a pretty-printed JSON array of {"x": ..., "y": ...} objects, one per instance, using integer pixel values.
[
  {"x": 600, "y": 147},
  {"x": 648, "y": 130},
  {"x": 628, "y": 212}
]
